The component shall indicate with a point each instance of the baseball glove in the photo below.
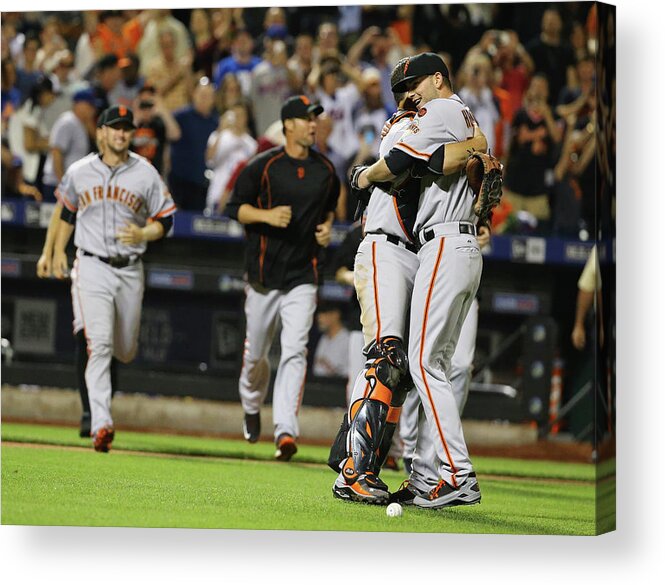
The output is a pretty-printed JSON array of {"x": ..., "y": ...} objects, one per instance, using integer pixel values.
[{"x": 485, "y": 175}]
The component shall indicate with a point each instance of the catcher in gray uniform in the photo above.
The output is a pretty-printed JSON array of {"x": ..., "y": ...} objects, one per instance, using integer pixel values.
[
  {"x": 118, "y": 203},
  {"x": 385, "y": 267}
]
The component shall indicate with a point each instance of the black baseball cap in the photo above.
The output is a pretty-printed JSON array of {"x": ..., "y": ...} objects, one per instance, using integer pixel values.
[
  {"x": 116, "y": 115},
  {"x": 299, "y": 106},
  {"x": 419, "y": 66}
]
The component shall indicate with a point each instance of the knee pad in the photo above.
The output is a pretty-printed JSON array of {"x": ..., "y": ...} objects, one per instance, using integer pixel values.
[{"x": 389, "y": 361}]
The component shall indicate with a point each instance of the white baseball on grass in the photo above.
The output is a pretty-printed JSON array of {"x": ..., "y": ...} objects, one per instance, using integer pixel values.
[{"x": 394, "y": 510}]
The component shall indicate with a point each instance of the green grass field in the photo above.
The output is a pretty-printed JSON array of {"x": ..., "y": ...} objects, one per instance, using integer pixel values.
[{"x": 154, "y": 480}]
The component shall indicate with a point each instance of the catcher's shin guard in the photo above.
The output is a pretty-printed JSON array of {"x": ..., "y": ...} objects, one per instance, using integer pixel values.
[
  {"x": 368, "y": 416},
  {"x": 392, "y": 420}
]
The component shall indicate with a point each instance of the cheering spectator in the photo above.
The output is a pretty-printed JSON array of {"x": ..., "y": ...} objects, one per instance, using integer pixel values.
[
  {"x": 227, "y": 146},
  {"x": 148, "y": 47},
  {"x": 371, "y": 115},
  {"x": 126, "y": 90},
  {"x": 551, "y": 55},
  {"x": 301, "y": 61},
  {"x": 204, "y": 42},
  {"x": 28, "y": 134},
  {"x": 27, "y": 71},
  {"x": 84, "y": 53},
  {"x": 576, "y": 99},
  {"x": 516, "y": 67},
  {"x": 241, "y": 62},
  {"x": 155, "y": 125},
  {"x": 478, "y": 95},
  {"x": 272, "y": 82},
  {"x": 197, "y": 121},
  {"x": 339, "y": 99},
  {"x": 170, "y": 74},
  {"x": 534, "y": 136},
  {"x": 332, "y": 350},
  {"x": 107, "y": 76},
  {"x": 229, "y": 94},
  {"x": 324, "y": 126},
  {"x": 13, "y": 184},
  {"x": 51, "y": 42},
  {"x": 109, "y": 37},
  {"x": 11, "y": 94},
  {"x": 275, "y": 29},
  {"x": 70, "y": 139},
  {"x": 384, "y": 49}
]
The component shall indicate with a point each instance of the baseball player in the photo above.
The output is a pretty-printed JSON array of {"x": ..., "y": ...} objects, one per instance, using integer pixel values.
[
  {"x": 461, "y": 369},
  {"x": 118, "y": 202},
  {"x": 45, "y": 270},
  {"x": 385, "y": 268},
  {"x": 446, "y": 280},
  {"x": 286, "y": 198}
]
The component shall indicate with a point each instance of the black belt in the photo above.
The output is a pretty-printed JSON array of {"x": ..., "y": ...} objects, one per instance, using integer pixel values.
[
  {"x": 395, "y": 240},
  {"x": 464, "y": 228},
  {"x": 114, "y": 261}
]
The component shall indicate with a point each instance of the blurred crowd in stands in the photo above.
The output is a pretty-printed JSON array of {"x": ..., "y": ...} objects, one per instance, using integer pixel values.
[{"x": 206, "y": 87}]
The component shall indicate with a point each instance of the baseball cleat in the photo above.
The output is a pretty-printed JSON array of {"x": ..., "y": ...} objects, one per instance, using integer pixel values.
[
  {"x": 445, "y": 495},
  {"x": 251, "y": 427},
  {"x": 84, "y": 428},
  {"x": 286, "y": 447},
  {"x": 103, "y": 439},
  {"x": 367, "y": 489},
  {"x": 405, "y": 494}
]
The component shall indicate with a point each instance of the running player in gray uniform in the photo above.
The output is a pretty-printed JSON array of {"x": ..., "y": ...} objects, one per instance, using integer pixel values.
[
  {"x": 446, "y": 281},
  {"x": 118, "y": 203},
  {"x": 385, "y": 267},
  {"x": 45, "y": 270}
]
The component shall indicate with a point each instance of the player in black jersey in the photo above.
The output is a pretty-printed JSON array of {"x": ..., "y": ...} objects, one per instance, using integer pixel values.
[{"x": 286, "y": 199}]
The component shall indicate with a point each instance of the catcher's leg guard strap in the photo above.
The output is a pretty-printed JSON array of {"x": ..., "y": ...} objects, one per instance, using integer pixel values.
[{"x": 338, "y": 450}]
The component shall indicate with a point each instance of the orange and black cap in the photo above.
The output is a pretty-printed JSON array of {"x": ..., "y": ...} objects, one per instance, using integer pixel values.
[
  {"x": 419, "y": 66},
  {"x": 118, "y": 116},
  {"x": 299, "y": 106}
]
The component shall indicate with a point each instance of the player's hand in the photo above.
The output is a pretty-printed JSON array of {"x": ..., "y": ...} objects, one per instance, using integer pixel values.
[
  {"x": 279, "y": 216},
  {"x": 578, "y": 337},
  {"x": 386, "y": 128},
  {"x": 323, "y": 234},
  {"x": 60, "y": 267},
  {"x": 130, "y": 235},
  {"x": 45, "y": 265},
  {"x": 483, "y": 236}
]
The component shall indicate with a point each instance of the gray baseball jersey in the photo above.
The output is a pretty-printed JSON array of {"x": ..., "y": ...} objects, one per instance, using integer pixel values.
[
  {"x": 105, "y": 199},
  {"x": 443, "y": 198},
  {"x": 107, "y": 299}
]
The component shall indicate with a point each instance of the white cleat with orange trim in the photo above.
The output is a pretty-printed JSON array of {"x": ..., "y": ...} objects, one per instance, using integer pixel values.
[
  {"x": 367, "y": 489},
  {"x": 444, "y": 495}
]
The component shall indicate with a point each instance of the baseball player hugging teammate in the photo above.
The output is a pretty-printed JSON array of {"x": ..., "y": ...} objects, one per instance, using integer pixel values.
[
  {"x": 386, "y": 277},
  {"x": 446, "y": 280},
  {"x": 286, "y": 198},
  {"x": 118, "y": 203}
]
